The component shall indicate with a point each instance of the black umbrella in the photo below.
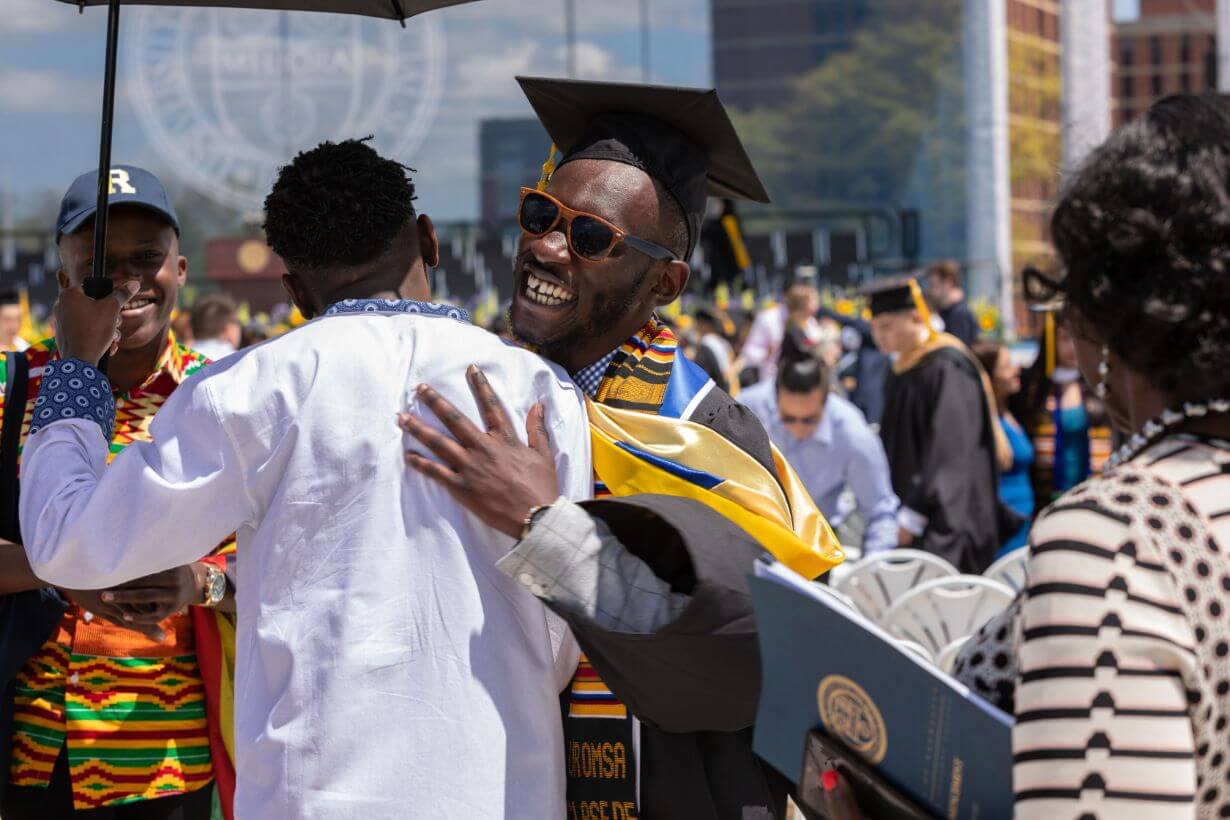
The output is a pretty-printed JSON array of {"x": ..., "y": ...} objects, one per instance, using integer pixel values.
[{"x": 97, "y": 285}]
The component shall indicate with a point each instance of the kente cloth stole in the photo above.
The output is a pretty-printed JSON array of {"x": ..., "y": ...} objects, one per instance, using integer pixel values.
[
  {"x": 602, "y": 740},
  {"x": 643, "y": 443}
]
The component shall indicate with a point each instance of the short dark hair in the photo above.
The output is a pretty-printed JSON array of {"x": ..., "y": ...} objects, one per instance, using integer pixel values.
[
  {"x": 339, "y": 205},
  {"x": 672, "y": 214},
  {"x": 1144, "y": 235},
  {"x": 9, "y": 297},
  {"x": 211, "y": 314},
  {"x": 949, "y": 270},
  {"x": 802, "y": 376}
]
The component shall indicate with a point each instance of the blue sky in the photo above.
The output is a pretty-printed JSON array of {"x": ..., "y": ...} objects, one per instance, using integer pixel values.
[
  {"x": 1126, "y": 8},
  {"x": 51, "y": 71}
]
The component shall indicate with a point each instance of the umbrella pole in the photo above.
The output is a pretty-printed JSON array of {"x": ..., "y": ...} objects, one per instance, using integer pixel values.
[{"x": 97, "y": 285}]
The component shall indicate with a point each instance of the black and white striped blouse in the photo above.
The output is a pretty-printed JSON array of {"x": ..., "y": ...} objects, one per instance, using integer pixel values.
[
  {"x": 1123, "y": 676},
  {"x": 1121, "y": 671}
]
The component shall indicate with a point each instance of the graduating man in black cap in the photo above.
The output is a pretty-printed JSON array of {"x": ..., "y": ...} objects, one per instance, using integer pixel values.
[
  {"x": 940, "y": 430},
  {"x": 652, "y": 581}
]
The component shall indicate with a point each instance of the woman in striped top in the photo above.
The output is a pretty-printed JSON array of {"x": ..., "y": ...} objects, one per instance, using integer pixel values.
[{"x": 1116, "y": 658}]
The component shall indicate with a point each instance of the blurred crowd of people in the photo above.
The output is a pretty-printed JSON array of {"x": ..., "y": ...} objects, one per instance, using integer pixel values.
[
  {"x": 1056, "y": 427},
  {"x": 562, "y": 519}
]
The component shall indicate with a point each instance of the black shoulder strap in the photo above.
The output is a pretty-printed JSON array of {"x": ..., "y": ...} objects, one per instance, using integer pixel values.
[{"x": 16, "y": 385}]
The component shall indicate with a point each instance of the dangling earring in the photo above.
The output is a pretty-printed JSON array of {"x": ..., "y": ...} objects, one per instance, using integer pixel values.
[{"x": 1102, "y": 389}]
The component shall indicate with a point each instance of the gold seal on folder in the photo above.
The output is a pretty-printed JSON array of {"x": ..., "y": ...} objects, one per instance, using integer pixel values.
[{"x": 850, "y": 715}]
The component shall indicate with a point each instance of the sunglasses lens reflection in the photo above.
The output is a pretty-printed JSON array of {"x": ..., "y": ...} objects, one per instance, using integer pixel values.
[
  {"x": 590, "y": 238},
  {"x": 537, "y": 214}
]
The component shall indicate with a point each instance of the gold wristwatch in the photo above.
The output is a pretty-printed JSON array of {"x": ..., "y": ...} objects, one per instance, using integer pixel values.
[{"x": 215, "y": 586}]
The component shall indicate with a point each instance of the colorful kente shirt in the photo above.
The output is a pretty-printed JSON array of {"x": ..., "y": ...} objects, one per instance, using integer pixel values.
[{"x": 131, "y": 711}]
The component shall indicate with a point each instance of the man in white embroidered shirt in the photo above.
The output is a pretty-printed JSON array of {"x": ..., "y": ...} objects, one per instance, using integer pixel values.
[{"x": 385, "y": 667}]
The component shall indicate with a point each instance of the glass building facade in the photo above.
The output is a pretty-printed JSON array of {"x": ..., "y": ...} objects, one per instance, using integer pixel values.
[{"x": 948, "y": 109}]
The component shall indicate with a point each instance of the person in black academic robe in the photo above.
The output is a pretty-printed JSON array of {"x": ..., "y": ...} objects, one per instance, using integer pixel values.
[{"x": 939, "y": 432}]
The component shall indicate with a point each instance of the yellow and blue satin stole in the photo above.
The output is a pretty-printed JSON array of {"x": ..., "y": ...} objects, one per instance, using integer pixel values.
[{"x": 638, "y": 452}]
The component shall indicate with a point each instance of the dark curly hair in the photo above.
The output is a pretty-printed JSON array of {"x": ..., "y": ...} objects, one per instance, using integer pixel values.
[
  {"x": 338, "y": 205},
  {"x": 1143, "y": 230}
]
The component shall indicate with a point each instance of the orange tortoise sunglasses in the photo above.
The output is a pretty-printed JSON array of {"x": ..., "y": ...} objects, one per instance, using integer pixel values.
[{"x": 589, "y": 236}]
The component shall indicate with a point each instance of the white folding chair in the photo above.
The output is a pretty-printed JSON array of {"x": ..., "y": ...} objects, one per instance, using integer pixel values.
[
  {"x": 917, "y": 648},
  {"x": 876, "y": 581},
  {"x": 940, "y": 612},
  {"x": 1010, "y": 569},
  {"x": 946, "y": 659},
  {"x": 841, "y": 598},
  {"x": 853, "y": 556}
]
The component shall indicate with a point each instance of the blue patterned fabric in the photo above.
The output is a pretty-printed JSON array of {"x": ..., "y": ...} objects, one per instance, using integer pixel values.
[
  {"x": 589, "y": 378},
  {"x": 397, "y": 306},
  {"x": 72, "y": 389}
]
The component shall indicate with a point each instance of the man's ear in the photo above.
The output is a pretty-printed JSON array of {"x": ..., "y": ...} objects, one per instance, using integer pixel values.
[
  {"x": 63, "y": 280},
  {"x": 671, "y": 282},
  {"x": 182, "y": 270},
  {"x": 299, "y": 295},
  {"x": 429, "y": 243}
]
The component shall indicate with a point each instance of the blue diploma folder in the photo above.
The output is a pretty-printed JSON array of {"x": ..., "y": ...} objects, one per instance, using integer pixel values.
[{"x": 827, "y": 667}]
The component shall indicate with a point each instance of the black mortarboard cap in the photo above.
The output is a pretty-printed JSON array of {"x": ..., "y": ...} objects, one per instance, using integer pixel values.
[
  {"x": 891, "y": 295},
  {"x": 681, "y": 137}
]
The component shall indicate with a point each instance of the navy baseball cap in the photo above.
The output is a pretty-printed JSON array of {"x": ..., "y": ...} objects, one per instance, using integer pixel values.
[{"x": 130, "y": 185}]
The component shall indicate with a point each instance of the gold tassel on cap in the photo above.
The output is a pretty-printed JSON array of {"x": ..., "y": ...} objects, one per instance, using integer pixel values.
[
  {"x": 921, "y": 305},
  {"x": 548, "y": 168},
  {"x": 730, "y": 225},
  {"x": 1049, "y": 343}
]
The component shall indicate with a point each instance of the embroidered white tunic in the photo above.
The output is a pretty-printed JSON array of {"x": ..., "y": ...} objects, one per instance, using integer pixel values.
[{"x": 385, "y": 667}]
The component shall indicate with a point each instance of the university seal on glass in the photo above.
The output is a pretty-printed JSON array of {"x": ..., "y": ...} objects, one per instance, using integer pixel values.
[{"x": 228, "y": 96}]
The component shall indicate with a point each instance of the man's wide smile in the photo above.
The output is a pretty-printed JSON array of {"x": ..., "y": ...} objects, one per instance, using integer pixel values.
[
  {"x": 541, "y": 291},
  {"x": 137, "y": 303}
]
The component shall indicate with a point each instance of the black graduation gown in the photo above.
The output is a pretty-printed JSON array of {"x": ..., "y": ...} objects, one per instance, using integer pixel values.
[
  {"x": 938, "y": 435},
  {"x": 694, "y": 685}
]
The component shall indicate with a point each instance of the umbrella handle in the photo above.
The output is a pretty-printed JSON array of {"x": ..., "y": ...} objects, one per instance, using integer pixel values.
[
  {"x": 97, "y": 284},
  {"x": 97, "y": 287}
]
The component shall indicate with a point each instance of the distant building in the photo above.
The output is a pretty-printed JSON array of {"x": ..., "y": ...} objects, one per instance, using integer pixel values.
[
  {"x": 761, "y": 46},
  {"x": 948, "y": 109},
  {"x": 247, "y": 269},
  {"x": 1035, "y": 123},
  {"x": 1170, "y": 48},
  {"x": 511, "y": 154}
]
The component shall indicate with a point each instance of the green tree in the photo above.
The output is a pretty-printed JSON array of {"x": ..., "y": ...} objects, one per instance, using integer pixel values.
[{"x": 878, "y": 123}]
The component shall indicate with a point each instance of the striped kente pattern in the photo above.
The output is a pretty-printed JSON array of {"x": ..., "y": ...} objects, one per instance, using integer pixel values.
[
  {"x": 589, "y": 697},
  {"x": 135, "y": 727},
  {"x": 636, "y": 379}
]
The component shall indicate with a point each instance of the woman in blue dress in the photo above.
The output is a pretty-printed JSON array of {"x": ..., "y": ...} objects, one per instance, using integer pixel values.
[{"x": 1015, "y": 484}]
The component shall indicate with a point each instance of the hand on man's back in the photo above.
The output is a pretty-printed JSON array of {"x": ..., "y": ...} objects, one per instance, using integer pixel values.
[{"x": 492, "y": 474}]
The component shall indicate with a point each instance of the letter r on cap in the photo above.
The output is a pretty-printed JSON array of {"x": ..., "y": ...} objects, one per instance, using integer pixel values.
[{"x": 120, "y": 182}]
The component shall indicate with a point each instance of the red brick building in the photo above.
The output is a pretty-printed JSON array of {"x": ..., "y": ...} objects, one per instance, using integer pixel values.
[
  {"x": 1171, "y": 48},
  {"x": 1035, "y": 123}
]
